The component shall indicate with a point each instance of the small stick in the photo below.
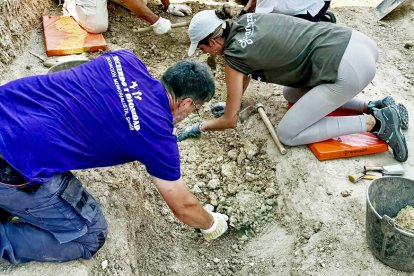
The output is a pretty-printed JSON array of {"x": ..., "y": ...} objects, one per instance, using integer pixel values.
[
  {"x": 269, "y": 126},
  {"x": 175, "y": 25},
  {"x": 38, "y": 56}
]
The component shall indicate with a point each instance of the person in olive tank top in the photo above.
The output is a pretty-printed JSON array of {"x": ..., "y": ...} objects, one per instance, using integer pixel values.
[{"x": 322, "y": 67}]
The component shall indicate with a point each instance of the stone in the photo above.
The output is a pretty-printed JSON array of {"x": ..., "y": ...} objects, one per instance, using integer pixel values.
[
  {"x": 104, "y": 264},
  {"x": 232, "y": 154},
  {"x": 229, "y": 169},
  {"x": 213, "y": 184}
]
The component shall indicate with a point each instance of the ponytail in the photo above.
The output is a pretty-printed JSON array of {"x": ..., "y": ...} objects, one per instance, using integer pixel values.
[{"x": 224, "y": 13}]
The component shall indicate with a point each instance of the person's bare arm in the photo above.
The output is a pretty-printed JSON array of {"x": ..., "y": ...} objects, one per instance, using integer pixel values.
[
  {"x": 165, "y": 3},
  {"x": 250, "y": 6},
  {"x": 183, "y": 203},
  {"x": 246, "y": 81},
  {"x": 236, "y": 83},
  {"x": 140, "y": 9}
]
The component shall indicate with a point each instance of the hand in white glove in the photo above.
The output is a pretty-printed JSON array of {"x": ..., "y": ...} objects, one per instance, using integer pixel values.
[
  {"x": 218, "y": 228},
  {"x": 179, "y": 10},
  {"x": 162, "y": 26}
]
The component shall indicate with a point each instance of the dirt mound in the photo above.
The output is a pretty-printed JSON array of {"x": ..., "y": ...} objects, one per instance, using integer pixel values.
[{"x": 17, "y": 19}]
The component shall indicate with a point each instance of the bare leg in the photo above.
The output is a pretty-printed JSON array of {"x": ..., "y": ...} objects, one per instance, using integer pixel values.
[
  {"x": 91, "y": 15},
  {"x": 140, "y": 9}
]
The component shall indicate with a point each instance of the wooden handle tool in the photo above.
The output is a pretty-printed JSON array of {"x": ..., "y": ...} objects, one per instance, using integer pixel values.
[
  {"x": 260, "y": 109},
  {"x": 175, "y": 25}
]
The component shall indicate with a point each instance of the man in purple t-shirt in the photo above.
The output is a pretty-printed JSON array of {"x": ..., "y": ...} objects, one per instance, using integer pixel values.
[{"x": 105, "y": 112}]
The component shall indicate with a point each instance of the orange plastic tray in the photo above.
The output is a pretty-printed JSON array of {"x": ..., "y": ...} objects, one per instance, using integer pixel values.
[
  {"x": 64, "y": 36},
  {"x": 356, "y": 144},
  {"x": 347, "y": 146}
]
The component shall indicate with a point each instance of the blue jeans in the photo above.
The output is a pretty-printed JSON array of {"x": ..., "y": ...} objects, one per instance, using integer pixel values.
[{"x": 58, "y": 222}]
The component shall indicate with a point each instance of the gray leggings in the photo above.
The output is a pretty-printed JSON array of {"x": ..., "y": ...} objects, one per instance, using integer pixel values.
[{"x": 305, "y": 121}]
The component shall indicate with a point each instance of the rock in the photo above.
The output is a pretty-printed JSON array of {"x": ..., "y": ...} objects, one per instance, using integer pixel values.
[
  {"x": 307, "y": 235},
  {"x": 408, "y": 45},
  {"x": 214, "y": 202},
  {"x": 216, "y": 260},
  {"x": 317, "y": 226},
  {"x": 196, "y": 189},
  {"x": 232, "y": 154},
  {"x": 213, "y": 183},
  {"x": 250, "y": 177},
  {"x": 165, "y": 211},
  {"x": 229, "y": 169},
  {"x": 269, "y": 192},
  {"x": 104, "y": 264},
  {"x": 232, "y": 189},
  {"x": 241, "y": 157},
  {"x": 250, "y": 149},
  {"x": 244, "y": 238},
  {"x": 213, "y": 199},
  {"x": 233, "y": 221},
  {"x": 346, "y": 193},
  {"x": 200, "y": 184}
]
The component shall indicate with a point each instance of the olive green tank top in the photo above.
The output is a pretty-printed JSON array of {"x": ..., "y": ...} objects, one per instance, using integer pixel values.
[{"x": 286, "y": 50}]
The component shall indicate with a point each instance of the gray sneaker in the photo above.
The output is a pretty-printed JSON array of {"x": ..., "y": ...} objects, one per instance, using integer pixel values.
[
  {"x": 390, "y": 131},
  {"x": 388, "y": 101}
]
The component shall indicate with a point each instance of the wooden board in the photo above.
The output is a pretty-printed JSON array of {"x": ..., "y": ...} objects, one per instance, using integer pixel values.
[{"x": 64, "y": 36}]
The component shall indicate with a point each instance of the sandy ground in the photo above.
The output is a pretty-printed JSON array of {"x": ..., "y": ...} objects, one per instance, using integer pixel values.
[{"x": 288, "y": 213}]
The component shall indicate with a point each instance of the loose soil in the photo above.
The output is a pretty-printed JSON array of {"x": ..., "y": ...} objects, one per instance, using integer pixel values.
[
  {"x": 288, "y": 213},
  {"x": 405, "y": 217}
]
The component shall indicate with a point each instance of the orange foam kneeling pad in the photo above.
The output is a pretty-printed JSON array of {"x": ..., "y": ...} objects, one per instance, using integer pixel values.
[
  {"x": 64, "y": 36},
  {"x": 347, "y": 146},
  {"x": 356, "y": 144}
]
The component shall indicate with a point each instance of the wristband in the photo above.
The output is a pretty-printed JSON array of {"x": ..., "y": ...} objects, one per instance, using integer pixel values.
[{"x": 200, "y": 127}]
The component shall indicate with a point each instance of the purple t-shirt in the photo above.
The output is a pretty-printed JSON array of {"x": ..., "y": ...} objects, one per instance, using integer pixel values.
[{"x": 102, "y": 113}]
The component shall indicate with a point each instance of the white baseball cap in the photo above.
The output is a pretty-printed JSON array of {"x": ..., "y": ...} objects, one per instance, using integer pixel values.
[{"x": 202, "y": 24}]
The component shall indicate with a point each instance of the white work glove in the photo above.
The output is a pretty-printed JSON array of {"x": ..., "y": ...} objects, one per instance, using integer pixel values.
[
  {"x": 162, "y": 26},
  {"x": 218, "y": 228},
  {"x": 179, "y": 10}
]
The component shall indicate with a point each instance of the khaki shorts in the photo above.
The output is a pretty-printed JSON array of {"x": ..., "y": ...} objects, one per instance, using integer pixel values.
[{"x": 92, "y": 15}]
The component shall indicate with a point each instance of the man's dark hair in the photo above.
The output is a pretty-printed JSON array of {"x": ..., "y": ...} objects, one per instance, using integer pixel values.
[{"x": 189, "y": 79}]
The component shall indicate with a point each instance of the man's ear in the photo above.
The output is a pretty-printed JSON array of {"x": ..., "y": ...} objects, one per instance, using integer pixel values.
[{"x": 185, "y": 103}]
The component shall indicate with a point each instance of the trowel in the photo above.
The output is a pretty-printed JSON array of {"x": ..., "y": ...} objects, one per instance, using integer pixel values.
[
  {"x": 386, "y": 6},
  {"x": 395, "y": 169}
]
